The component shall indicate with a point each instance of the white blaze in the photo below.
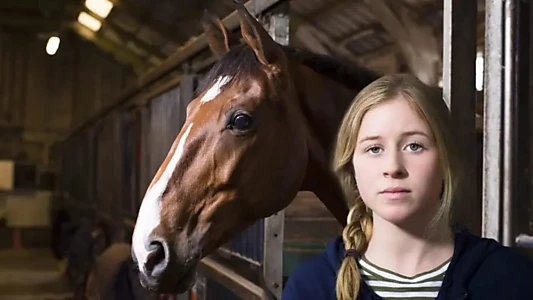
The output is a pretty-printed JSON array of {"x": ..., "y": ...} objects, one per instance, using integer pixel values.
[
  {"x": 215, "y": 89},
  {"x": 149, "y": 215}
]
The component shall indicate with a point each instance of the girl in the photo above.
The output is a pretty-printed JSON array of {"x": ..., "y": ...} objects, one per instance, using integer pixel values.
[{"x": 399, "y": 166}]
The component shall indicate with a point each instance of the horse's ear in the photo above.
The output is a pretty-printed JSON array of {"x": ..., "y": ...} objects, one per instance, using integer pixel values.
[
  {"x": 266, "y": 49},
  {"x": 216, "y": 33}
]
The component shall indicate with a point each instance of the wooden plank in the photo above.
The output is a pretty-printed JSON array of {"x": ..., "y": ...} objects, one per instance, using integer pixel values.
[{"x": 236, "y": 283}]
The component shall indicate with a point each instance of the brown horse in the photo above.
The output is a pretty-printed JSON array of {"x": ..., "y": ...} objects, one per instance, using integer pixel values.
[{"x": 261, "y": 130}]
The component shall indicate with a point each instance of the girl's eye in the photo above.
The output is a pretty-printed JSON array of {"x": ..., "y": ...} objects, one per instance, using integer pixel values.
[
  {"x": 373, "y": 149},
  {"x": 415, "y": 147}
]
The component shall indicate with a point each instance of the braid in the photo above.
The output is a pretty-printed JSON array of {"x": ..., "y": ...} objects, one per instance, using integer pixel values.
[{"x": 356, "y": 236}]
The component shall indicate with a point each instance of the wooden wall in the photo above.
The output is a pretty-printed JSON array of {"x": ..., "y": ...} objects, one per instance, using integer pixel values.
[{"x": 43, "y": 97}]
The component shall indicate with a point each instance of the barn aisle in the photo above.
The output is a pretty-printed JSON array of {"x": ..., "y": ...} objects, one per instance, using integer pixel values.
[{"x": 31, "y": 274}]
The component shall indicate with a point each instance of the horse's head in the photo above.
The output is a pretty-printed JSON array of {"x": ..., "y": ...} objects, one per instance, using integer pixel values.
[{"x": 240, "y": 156}]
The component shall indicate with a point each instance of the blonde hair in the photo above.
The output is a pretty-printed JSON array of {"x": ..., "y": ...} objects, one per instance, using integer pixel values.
[{"x": 429, "y": 103}]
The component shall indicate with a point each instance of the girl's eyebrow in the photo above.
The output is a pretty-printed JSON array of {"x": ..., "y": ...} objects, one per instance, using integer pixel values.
[
  {"x": 369, "y": 138},
  {"x": 415, "y": 132},
  {"x": 407, "y": 133}
]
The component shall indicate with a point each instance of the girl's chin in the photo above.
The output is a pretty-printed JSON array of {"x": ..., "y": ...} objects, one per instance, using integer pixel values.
[{"x": 396, "y": 215}]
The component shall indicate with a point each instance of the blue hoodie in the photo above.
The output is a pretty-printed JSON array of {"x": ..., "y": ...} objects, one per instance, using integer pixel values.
[{"x": 480, "y": 269}]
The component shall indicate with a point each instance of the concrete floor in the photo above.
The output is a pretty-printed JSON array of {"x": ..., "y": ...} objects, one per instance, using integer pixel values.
[{"x": 31, "y": 274}]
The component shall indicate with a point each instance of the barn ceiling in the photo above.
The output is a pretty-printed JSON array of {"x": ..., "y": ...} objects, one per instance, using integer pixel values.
[{"x": 142, "y": 33}]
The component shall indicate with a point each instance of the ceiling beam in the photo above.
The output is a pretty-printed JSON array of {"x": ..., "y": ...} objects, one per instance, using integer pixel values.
[
  {"x": 327, "y": 7},
  {"x": 416, "y": 39},
  {"x": 117, "y": 50},
  {"x": 363, "y": 32},
  {"x": 123, "y": 34},
  {"x": 145, "y": 20}
]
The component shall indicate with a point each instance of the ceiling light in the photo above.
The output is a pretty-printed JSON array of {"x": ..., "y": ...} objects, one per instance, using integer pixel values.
[
  {"x": 89, "y": 21},
  {"x": 52, "y": 45},
  {"x": 100, "y": 7}
]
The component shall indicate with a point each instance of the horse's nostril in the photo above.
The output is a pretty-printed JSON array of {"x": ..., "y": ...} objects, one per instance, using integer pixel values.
[{"x": 156, "y": 261}]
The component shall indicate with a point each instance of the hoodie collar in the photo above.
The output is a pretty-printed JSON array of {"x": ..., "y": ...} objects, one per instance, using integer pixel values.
[{"x": 469, "y": 253}]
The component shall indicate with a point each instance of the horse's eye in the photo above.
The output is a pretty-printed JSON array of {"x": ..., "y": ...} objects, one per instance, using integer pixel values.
[{"x": 241, "y": 121}]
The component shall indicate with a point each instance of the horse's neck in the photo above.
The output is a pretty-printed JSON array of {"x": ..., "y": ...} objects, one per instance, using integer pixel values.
[{"x": 324, "y": 103}]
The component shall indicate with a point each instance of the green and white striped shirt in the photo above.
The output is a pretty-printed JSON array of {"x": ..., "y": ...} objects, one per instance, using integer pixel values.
[{"x": 390, "y": 285}]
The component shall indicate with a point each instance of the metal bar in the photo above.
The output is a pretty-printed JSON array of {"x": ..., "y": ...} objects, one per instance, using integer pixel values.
[
  {"x": 459, "y": 92},
  {"x": 508, "y": 118},
  {"x": 195, "y": 46},
  {"x": 524, "y": 241},
  {"x": 236, "y": 283},
  {"x": 492, "y": 153},
  {"x": 278, "y": 26},
  {"x": 224, "y": 252}
]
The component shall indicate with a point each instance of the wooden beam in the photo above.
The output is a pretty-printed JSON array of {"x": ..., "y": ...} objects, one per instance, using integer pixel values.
[
  {"x": 325, "y": 44},
  {"x": 124, "y": 35},
  {"x": 145, "y": 20},
  {"x": 277, "y": 24},
  {"x": 459, "y": 91},
  {"x": 416, "y": 40},
  {"x": 118, "y": 51},
  {"x": 306, "y": 36},
  {"x": 326, "y": 7}
]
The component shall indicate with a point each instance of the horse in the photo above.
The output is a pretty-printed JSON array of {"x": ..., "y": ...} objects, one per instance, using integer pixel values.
[
  {"x": 261, "y": 128},
  {"x": 90, "y": 239},
  {"x": 113, "y": 275}
]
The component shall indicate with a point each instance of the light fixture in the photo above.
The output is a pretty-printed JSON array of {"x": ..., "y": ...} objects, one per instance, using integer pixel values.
[
  {"x": 479, "y": 70},
  {"x": 100, "y": 7},
  {"x": 89, "y": 21},
  {"x": 52, "y": 45}
]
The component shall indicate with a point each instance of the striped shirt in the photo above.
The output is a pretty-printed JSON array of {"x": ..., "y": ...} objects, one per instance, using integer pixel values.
[{"x": 391, "y": 285}]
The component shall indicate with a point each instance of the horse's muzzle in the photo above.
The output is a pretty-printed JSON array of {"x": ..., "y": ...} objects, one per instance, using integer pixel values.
[{"x": 164, "y": 272}]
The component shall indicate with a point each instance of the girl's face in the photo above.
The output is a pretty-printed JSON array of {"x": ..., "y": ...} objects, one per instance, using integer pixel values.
[{"x": 396, "y": 163}]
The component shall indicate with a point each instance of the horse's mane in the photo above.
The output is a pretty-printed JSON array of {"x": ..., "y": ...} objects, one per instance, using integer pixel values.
[
  {"x": 240, "y": 63},
  {"x": 349, "y": 74}
]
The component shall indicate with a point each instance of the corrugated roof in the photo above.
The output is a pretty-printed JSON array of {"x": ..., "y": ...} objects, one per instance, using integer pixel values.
[
  {"x": 154, "y": 29},
  {"x": 349, "y": 25}
]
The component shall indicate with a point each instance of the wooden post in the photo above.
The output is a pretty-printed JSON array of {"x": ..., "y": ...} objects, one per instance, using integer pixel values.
[
  {"x": 459, "y": 92},
  {"x": 523, "y": 152},
  {"x": 276, "y": 22}
]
